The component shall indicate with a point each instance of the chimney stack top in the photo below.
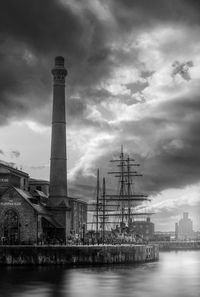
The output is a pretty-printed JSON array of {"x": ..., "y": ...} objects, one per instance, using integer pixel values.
[{"x": 59, "y": 61}]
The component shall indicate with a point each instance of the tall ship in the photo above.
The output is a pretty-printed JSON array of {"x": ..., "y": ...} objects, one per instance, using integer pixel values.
[{"x": 121, "y": 216}]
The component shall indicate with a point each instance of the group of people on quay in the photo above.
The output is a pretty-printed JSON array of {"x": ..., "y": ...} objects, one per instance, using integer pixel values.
[{"x": 90, "y": 238}]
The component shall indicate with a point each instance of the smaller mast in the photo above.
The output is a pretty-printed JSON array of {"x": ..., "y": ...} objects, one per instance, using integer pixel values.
[
  {"x": 129, "y": 190},
  {"x": 97, "y": 203},
  {"x": 122, "y": 181},
  {"x": 103, "y": 216}
]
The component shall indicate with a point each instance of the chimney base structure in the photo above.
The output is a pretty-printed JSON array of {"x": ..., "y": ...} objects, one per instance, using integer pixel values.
[{"x": 58, "y": 200}]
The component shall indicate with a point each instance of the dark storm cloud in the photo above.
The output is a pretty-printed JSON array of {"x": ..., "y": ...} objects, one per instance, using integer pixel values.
[
  {"x": 174, "y": 159},
  {"x": 22, "y": 88},
  {"x": 33, "y": 32},
  {"x": 1, "y": 152},
  {"x": 96, "y": 95},
  {"x": 182, "y": 69},
  {"x": 82, "y": 191},
  {"x": 137, "y": 86},
  {"x": 44, "y": 25},
  {"x": 75, "y": 107},
  {"x": 146, "y": 74},
  {"x": 168, "y": 151},
  {"x": 29, "y": 26},
  {"x": 142, "y": 13},
  {"x": 85, "y": 186}
]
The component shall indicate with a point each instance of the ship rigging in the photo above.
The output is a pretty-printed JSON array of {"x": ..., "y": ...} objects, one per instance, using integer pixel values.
[{"x": 113, "y": 210}]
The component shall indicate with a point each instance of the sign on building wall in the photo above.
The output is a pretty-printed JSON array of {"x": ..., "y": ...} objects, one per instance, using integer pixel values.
[
  {"x": 3, "y": 180},
  {"x": 10, "y": 203}
]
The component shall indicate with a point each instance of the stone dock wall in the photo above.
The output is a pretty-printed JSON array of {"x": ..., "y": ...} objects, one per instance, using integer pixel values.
[
  {"x": 178, "y": 245},
  {"x": 77, "y": 255}
]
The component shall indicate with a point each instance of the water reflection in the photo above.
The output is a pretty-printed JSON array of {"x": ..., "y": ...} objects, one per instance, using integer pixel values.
[{"x": 176, "y": 274}]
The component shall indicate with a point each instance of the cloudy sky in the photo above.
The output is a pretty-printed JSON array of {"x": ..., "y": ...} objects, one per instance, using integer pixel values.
[{"x": 134, "y": 79}]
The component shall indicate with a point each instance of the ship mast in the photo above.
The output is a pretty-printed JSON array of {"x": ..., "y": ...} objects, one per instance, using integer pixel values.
[
  {"x": 120, "y": 206},
  {"x": 103, "y": 209},
  {"x": 97, "y": 203},
  {"x": 125, "y": 198}
]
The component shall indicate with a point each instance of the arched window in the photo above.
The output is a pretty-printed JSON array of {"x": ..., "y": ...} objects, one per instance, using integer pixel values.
[{"x": 11, "y": 227}]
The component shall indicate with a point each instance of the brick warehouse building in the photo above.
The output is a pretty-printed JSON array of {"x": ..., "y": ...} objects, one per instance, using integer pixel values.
[
  {"x": 24, "y": 215},
  {"x": 143, "y": 228},
  {"x": 33, "y": 211}
]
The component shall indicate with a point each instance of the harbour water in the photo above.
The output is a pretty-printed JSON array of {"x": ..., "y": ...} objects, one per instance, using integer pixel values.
[{"x": 175, "y": 274}]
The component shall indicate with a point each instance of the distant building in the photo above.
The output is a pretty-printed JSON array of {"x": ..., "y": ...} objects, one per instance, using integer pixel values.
[
  {"x": 184, "y": 228},
  {"x": 197, "y": 235},
  {"x": 176, "y": 231},
  {"x": 143, "y": 229},
  {"x": 163, "y": 236}
]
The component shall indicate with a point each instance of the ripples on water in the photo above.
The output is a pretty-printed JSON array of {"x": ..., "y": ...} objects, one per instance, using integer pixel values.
[{"x": 176, "y": 274}]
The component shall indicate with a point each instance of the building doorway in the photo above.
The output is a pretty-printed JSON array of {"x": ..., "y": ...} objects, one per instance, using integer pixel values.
[
  {"x": 11, "y": 227},
  {"x": 51, "y": 233}
]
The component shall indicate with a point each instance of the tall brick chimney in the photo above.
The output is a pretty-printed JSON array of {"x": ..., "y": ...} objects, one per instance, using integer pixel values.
[{"x": 58, "y": 167}]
